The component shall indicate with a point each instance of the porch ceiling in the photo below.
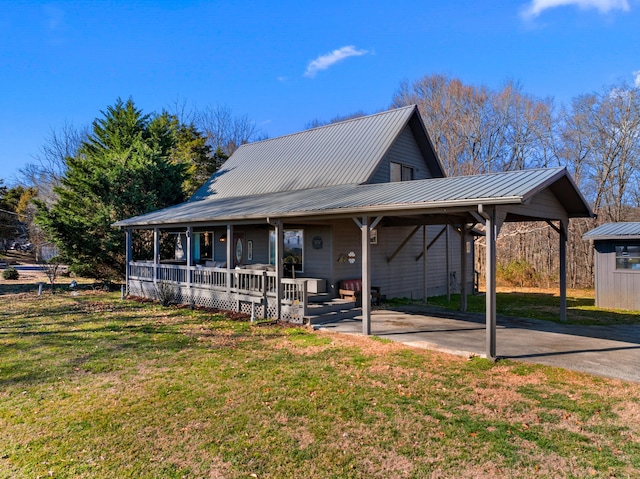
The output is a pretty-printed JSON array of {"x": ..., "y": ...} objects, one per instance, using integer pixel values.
[{"x": 433, "y": 198}]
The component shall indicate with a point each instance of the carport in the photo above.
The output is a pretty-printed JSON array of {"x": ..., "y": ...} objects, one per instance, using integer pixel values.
[{"x": 490, "y": 200}]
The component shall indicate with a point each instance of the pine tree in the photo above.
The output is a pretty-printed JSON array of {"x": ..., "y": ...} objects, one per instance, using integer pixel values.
[{"x": 124, "y": 168}]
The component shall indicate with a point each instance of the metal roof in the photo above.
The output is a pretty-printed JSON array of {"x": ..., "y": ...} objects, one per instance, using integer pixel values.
[
  {"x": 514, "y": 187},
  {"x": 616, "y": 231},
  {"x": 341, "y": 153}
]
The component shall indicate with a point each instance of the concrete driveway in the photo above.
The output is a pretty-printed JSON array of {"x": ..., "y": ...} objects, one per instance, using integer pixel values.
[{"x": 610, "y": 351}]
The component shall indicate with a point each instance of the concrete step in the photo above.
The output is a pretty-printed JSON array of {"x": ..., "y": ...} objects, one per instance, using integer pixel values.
[{"x": 335, "y": 310}]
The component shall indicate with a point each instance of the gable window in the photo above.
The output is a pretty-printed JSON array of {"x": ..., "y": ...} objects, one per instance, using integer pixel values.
[
  {"x": 628, "y": 257},
  {"x": 400, "y": 172}
]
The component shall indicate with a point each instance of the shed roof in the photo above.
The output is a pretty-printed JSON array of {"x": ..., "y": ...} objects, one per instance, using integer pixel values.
[
  {"x": 341, "y": 153},
  {"x": 614, "y": 231},
  {"x": 513, "y": 188}
]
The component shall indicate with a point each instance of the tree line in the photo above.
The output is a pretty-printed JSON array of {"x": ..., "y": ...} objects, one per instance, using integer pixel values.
[
  {"x": 125, "y": 164},
  {"x": 128, "y": 163},
  {"x": 475, "y": 129}
]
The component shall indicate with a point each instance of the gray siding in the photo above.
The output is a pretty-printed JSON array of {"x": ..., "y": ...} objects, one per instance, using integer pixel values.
[
  {"x": 615, "y": 289},
  {"x": 405, "y": 151},
  {"x": 317, "y": 262},
  {"x": 544, "y": 205},
  {"x": 403, "y": 276}
]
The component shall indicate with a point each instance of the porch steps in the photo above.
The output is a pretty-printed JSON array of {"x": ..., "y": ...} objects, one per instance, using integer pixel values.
[{"x": 331, "y": 310}]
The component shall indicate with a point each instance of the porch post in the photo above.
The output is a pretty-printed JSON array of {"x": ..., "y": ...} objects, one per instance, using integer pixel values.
[
  {"x": 129, "y": 257},
  {"x": 366, "y": 277},
  {"x": 563, "y": 230},
  {"x": 156, "y": 253},
  {"x": 189, "y": 262},
  {"x": 490, "y": 280},
  {"x": 229, "y": 256},
  {"x": 463, "y": 267},
  {"x": 279, "y": 250}
]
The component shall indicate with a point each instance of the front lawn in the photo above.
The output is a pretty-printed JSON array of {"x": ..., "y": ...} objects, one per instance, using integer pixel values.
[{"x": 92, "y": 386}]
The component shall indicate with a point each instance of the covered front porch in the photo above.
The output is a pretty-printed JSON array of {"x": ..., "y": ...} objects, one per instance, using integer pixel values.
[{"x": 187, "y": 275}]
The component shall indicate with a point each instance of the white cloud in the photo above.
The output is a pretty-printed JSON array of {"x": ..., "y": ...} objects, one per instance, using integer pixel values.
[
  {"x": 325, "y": 61},
  {"x": 636, "y": 78},
  {"x": 536, "y": 7}
]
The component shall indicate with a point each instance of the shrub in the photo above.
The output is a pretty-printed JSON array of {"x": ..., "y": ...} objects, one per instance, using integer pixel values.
[
  {"x": 10, "y": 273},
  {"x": 519, "y": 273}
]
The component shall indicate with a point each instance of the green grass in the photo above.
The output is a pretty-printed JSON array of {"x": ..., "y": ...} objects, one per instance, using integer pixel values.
[
  {"x": 538, "y": 305},
  {"x": 91, "y": 386}
]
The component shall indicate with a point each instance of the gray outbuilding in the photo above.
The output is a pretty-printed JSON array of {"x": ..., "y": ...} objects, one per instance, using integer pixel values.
[{"x": 617, "y": 265}]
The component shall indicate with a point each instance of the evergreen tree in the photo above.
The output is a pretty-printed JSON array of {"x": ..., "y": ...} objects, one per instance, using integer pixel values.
[{"x": 124, "y": 168}]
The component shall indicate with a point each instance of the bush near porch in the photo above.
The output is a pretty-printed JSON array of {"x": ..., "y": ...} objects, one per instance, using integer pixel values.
[{"x": 97, "y": 387}]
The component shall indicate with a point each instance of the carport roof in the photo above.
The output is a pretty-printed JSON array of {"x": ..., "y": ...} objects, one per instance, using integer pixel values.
[
  {"x": 614, "y": 231},
  {"x": 506, "y": 188}
]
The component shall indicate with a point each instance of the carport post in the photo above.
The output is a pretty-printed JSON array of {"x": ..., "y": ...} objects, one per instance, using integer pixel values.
[
  {"x": 463, "y": 267},
  {"x": 490, "y": 274},
  {"x": 563, "y": 270}
]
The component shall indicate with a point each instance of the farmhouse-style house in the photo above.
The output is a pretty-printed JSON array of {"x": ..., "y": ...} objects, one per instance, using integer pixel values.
[{"x": 288, "y": 220}]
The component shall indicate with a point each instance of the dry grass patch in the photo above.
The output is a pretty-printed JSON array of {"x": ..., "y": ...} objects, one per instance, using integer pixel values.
[{"x": 91, "y": 386}]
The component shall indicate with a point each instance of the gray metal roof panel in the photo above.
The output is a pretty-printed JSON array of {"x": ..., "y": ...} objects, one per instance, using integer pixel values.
[
  {"x": 309, "y": 159},
  {"x": 498, "y": 188},
  {"x": 628, "y": 230}
]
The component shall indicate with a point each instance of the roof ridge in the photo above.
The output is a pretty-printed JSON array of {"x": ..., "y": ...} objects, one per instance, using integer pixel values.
[{"x": 359, "y": 118}]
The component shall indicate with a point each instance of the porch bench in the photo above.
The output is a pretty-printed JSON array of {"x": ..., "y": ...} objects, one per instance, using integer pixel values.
[{"x": 351, "y": 289}]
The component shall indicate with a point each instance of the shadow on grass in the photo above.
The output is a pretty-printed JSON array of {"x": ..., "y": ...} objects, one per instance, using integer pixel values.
[
  {"x": 90, "y": 342},
  {"x": 544, "y": 306}
]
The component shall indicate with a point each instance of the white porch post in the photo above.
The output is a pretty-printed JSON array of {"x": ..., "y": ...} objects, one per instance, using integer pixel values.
[
  {"x": 563, "y": 231},
  {"x": 229, "y": 256},
  {"x": 156, "y": 253},
  {"x": 490, "y": 272},
  {"x": 279, "y": 231},
  {"x": 129, "y": 257},
  {"x": 366, "y": 276}
]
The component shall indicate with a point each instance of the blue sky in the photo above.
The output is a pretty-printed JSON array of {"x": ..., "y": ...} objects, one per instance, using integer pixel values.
[{"x": 284, "y": 63}]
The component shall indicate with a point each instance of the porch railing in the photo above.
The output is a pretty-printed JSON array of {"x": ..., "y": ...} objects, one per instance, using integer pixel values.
[{"x": 240, "y": 281}]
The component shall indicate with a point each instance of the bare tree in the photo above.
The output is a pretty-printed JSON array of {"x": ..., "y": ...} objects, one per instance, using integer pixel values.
[
  {"x": 600, "y": 141},
  {"x": 478, "y": 130},
  {"x": 224, "y": 131},
  {"x": 50, "y": 166}
]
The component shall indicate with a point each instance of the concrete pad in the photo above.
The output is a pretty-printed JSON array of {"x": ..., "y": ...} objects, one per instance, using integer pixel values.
[{"x": 609, "y": 351}]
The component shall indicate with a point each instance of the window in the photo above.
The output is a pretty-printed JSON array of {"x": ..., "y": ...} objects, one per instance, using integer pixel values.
[
  {"x": 628, "y": 257},
  {"x": 400, "y": 172},
  {"x": 293, "y": 248}
]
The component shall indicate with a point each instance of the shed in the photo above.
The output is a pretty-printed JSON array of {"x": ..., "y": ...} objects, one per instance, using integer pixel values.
[{"x": 617, "y": 264}]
